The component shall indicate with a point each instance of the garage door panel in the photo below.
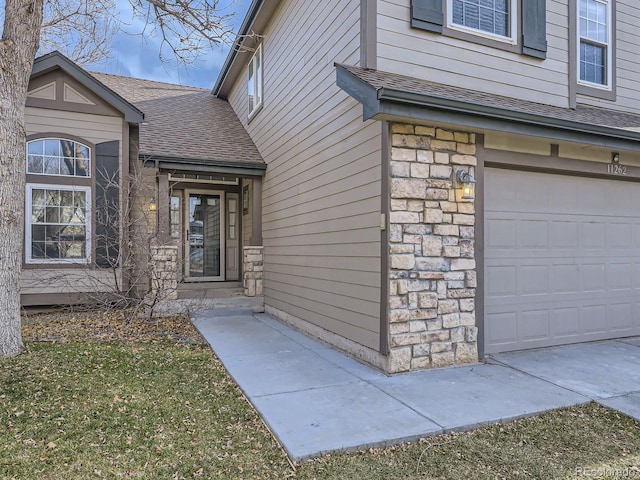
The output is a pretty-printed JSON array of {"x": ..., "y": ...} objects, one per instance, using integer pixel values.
[
  {"x": 564, "y": 234},
  {"x": 565, "y": 322},
  {"x": 533, "y": 280},
  {"x": 565, "y": 279},
  {"x": 534, "y": 325},
  {"x": 593, "y": 235},
  {"x": 618, "y": 235},
  {"x": 620, "y": 316},
  {"x": 619, "y": 276},
  {"x": 501, "y": 281},
  {"x": 562, "y": 260},
  {"x": 501, "y": 233}
]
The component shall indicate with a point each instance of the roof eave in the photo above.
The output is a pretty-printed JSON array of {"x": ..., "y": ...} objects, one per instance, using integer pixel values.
[
  {"x": 228, "y": 167},
  {"x": 254, "y": 21},
  {"x": 389, "y": 103},
  {"x": 54, "y": 60}
]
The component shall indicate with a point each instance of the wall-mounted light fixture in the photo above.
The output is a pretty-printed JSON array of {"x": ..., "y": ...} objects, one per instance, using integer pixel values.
[
  {"x": 615, "y": 157},
  {"x": 153, "y": 206},
  {"x": 468, "y": 185}
]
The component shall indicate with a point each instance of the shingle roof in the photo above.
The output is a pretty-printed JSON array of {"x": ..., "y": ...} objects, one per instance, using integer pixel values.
[
  {"x": 384, "y": 83},
  {"x": 185, "y": 122}
]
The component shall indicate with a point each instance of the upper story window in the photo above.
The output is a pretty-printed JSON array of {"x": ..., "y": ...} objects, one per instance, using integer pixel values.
[
  {"x": 255, "y": 81},
  {"x": 594, "y": 33},
  {"x": 510, "y": 25},
  {"x": 494, "y": 18},
  {"x": 57, "y": 156}
]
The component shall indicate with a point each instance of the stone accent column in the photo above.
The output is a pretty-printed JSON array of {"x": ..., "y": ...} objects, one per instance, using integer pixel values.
[
  {"x": 432, "y": 279},
  {"x": 252, "y": 277},
  {"x": 164, "y": 272}
]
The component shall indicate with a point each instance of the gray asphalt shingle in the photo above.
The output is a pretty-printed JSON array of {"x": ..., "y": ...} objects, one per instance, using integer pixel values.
[{"x": 184, "y": 122}]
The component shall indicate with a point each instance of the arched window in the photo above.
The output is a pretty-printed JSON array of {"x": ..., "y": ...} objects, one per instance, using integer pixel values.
[{"x": 58, "y": 156}]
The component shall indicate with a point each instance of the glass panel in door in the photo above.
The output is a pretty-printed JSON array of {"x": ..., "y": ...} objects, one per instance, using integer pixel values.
[{"x": 205, "y": 245}]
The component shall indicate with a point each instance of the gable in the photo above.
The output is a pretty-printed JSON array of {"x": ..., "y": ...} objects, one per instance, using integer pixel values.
[{"x": 56, "y": 90}]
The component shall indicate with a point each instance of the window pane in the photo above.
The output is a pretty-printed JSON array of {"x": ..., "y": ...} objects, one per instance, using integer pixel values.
[
  {"x": 34, "y": 164},
  {"x": 458, "y": 12},
  {"x": 58, "y": 224},
  {"x": 593, "y": 20},
  {"x": 258, "y": 79},
  {"x": 52, "y": 147},
  {"x": 491, "y": 16},
  {"x": 175, "y": 217},
  {"x": 51, "y": 166},
  {"x": 592, "y": 63},
  {"x": 35, "y": 148},
  {"x": 250, "y": 86}
]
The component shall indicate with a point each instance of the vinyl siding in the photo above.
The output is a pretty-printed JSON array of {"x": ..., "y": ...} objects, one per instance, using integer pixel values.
[
  {"x": 321, "y": 193},
  {"x": 443, "y": 59},
  {"x": 41, "y": 279}
]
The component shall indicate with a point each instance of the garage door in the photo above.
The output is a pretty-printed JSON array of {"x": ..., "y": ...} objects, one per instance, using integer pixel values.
[{"x": 562, "y": 259}]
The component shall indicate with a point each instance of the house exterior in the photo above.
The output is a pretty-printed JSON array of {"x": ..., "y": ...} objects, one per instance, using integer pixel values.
[
  {"x": 133, "y": 187},
  {"x": 339, "y": 149},
  {"x": 77, "y": 159},
  {"x": 369, "y": 113}
]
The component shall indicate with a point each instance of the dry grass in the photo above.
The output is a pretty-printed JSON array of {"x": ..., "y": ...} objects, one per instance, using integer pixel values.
[{"x": 108, "y": 396}]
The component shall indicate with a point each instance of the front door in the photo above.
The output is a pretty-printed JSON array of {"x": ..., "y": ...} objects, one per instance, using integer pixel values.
[{"x": 205, "y": 235}]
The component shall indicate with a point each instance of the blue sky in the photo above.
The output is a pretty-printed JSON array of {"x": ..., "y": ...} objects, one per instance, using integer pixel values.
[{"x": 137, "y": 56}]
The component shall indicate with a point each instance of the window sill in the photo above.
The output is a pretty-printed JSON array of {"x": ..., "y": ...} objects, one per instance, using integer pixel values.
[
  {"x": 254, "y": 113},
  {"x": 595, "y": 92},
  {"x": 507, "y": 44}
]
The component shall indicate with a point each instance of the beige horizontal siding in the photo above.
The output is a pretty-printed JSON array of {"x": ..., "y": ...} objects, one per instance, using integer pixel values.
[
  {"x": 447, "y": 60},
  {"x": 94, "y": 128},
  {"x": 321, "y": 193},
  {"x": 44, "y": 279}
]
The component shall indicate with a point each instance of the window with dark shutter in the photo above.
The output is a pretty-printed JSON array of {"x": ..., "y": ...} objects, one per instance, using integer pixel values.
[{"x": 492, "y": 22}]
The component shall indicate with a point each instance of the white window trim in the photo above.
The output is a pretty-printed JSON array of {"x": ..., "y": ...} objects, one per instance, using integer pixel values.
[
  {"x": 59, "y": 174},
  {"x": 257, "y": 81},
  {"x": 608, "y": 50},
  {"x": 513, "y": 24},
  {"x": 27, "y": 233}
]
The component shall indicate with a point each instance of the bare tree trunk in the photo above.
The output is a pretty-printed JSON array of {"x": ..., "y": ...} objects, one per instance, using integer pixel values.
[{"x": 20, "y": 37}]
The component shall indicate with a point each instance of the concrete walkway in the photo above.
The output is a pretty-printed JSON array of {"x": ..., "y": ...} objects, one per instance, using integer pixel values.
[{"x": 317, "y": 400}]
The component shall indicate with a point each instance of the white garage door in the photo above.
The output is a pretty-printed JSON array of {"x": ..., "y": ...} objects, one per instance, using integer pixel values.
[{"x": 562, "y": 259}]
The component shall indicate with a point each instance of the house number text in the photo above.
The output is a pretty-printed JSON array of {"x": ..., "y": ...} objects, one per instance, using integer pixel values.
[{"x": 614, "y": 169}]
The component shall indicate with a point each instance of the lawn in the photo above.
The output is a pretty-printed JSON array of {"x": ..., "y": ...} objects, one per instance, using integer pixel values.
[{"x": 103, "y": 397}]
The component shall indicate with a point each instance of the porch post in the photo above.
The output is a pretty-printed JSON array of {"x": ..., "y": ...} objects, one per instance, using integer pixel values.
[
  {"x": 256, "y": 211},
  {"x": 164, "y": 233}
]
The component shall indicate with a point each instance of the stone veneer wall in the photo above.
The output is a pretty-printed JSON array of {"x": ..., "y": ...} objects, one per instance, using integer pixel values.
[
  {"x": 432, "y": 269},
  {"x": 253, "y": 270},
  {"x": 164, "y": 272}
]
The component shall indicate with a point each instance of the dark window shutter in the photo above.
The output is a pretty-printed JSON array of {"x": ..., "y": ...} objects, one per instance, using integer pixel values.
[
  {"x": 427, "y": 15},
  {"x": 534, "y": 28},
  {"x": 107, "y": 204}
]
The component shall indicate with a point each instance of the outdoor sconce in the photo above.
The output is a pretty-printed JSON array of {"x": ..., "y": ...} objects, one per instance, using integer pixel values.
[
  {"x": 468, "y": 185},
  {"x": 152, "y": 205}
]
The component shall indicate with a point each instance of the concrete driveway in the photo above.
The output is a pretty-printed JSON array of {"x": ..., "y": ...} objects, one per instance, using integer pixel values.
[{"x": 607, "y": 371}]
